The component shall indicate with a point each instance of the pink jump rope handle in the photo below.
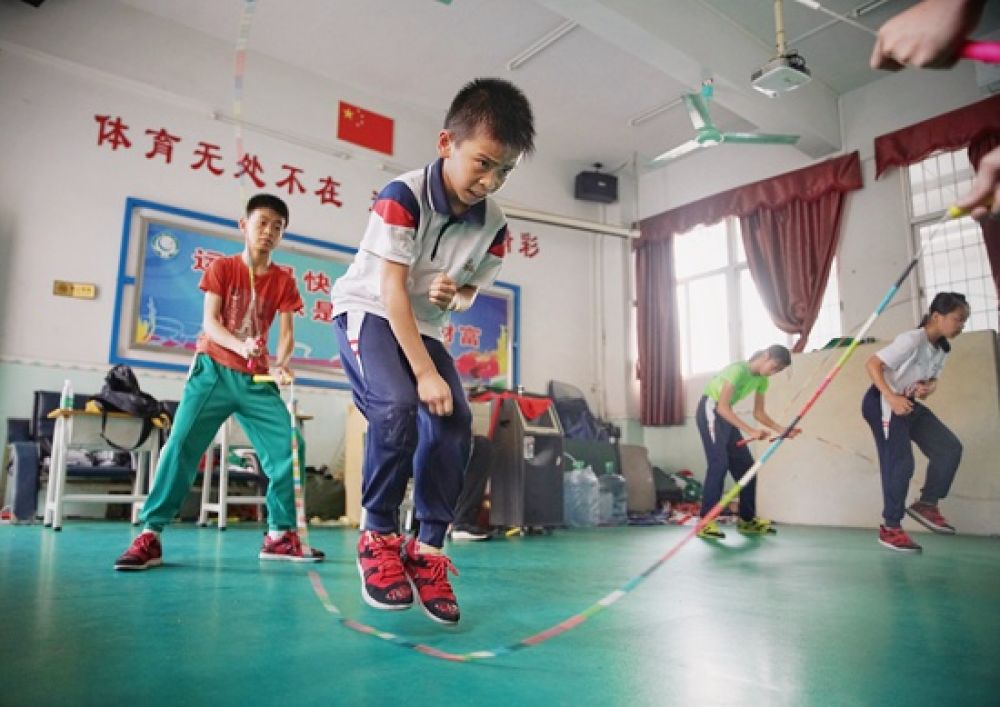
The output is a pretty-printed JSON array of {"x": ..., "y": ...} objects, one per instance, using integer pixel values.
[{"x": 987, "y": 52}]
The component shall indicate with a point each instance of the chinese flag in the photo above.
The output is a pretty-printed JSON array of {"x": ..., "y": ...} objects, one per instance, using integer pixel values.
[{"x": 365, "y": 128}]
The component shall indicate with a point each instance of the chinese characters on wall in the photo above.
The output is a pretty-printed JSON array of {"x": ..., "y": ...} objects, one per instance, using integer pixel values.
[{"x": 207, "y": 157}]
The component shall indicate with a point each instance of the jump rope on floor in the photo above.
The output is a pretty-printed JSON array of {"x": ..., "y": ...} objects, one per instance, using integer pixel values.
[{"x": 613, "y": 597}]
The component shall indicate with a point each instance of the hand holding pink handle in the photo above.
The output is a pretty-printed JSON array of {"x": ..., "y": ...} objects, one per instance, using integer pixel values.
[{"x": 986, "y": 52}]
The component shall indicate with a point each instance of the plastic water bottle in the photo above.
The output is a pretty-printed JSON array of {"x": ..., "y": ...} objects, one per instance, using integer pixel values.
[
  {"x": 614, "y": 497},
  {"x": 66, "y": 398},
  {"x": 580, "y": 496},
  {"x": 605, "y": 503},
  {"x": 590, "y": 498}
]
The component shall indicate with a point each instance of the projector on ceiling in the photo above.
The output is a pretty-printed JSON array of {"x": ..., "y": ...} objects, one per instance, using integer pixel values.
[{"x": 782, "y": 74}]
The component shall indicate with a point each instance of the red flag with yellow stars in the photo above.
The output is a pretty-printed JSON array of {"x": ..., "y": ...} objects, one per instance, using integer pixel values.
[{"x": 364, "y": 128}]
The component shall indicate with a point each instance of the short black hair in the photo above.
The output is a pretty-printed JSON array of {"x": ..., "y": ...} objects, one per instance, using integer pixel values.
[
  {"x": 268, "y": 201},
  {"x": 499, "y": 107},
  {"x": 775, "y": 352}
]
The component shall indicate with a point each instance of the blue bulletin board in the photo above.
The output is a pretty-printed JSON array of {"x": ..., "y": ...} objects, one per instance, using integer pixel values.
[{"x": 158, "y": 305}]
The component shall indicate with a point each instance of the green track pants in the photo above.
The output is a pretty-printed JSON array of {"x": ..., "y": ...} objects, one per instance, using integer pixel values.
[{"x": 212, "y": 393}]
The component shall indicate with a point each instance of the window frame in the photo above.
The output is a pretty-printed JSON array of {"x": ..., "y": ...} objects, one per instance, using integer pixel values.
[{"x": 733, "y": 271}]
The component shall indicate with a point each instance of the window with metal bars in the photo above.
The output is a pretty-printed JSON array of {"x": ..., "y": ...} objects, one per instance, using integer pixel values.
[{"x": 954, "y": 257}]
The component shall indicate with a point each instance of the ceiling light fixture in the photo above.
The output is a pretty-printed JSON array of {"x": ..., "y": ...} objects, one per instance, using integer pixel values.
[
  {"x": 541, "y": 45},
  {"x": 648, "y": 115}
]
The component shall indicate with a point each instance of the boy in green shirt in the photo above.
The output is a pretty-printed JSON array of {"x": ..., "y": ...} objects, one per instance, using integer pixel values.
[{"x": 720, "y": 434}]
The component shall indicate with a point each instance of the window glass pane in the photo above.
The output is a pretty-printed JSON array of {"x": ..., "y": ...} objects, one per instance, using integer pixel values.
[
  {"x": 700, "y": 250},
  {"x": 954, "y": 257},
  {"x": 828, "y": 322},
  {"x": 954, "y": 260},
  {"x": 741, "y": 254},
  {"x": 759, "y": 331},
  {"x": 709, "y": 328},
  {"x": 684, "y": 328},
  {"x": 961, "y": 161}
]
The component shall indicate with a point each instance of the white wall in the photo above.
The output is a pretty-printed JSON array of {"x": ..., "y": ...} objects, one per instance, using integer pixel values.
[
  {"x": 874, "y": 247},
  {"x": 62, "y": 196}
]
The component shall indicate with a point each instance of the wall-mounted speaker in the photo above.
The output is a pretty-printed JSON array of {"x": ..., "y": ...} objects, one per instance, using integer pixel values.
[{"x": 596, "y": 186}]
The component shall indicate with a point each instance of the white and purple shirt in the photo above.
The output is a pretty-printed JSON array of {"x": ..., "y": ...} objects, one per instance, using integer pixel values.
[{"x": 411, "y": 223}]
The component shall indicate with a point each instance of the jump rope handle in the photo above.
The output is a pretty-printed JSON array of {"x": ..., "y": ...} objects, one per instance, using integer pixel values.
[
  {"x": 986, "y": 52},
  {"x": 266, "y": 378},
  {"x": 744, "y": 442}
]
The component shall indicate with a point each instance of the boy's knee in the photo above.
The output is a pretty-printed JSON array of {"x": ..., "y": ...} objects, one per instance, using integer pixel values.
[{"x": 954, "y": 451}]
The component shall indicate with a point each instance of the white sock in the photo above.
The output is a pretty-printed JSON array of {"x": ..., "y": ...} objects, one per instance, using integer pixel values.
[
  {"x": 154, "y": 532},
  {"x": 425, "y": 549},
  {"x": 275, "y": 534}
]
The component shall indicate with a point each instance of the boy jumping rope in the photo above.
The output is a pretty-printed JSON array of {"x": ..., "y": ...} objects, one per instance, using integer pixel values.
[
  {"x": 720, "y": 428},
  {"x": 433, "y": 239},
  {"x": 238, "y": 311}
]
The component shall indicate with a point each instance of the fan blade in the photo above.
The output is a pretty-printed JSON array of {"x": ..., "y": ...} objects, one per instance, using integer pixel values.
[
  {"x": 760, "y": 138},
  {"x": 679, "y": 151},
  {"x": 698, "y": 111}
]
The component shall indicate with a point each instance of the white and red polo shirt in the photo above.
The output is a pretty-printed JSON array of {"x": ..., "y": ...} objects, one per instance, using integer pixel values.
[{"x": 411, "y": 223}]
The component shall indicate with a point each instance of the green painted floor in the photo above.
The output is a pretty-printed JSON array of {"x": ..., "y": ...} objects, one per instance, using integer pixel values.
[{"x": 813, "y": 616}]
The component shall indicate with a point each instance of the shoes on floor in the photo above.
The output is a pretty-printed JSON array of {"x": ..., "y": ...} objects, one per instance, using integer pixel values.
[
  {"x": 289, "y": 548},
  {"x": 756, "y": 526},
  {"x": 928, "y": 515},
  {"x": 711, "y": 531},
  {"x": 144, "y": 552},
  {"x": 383, "y": 580},
  {"x": 469, "y": 532},
  {"x": 429, "y": 575},
  {"x": 896, "y": 539}
]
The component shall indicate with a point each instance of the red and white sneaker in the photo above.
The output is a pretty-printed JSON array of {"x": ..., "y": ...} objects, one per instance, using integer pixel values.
[
  {"x": 429, "y": 575},
  {"x": 928, "y": 515},
  {"x": 897, "y": 539},
  {"x": 383, "y": 581},
  {"x": 143, "y": 553},
  {"x": 289, "y": 548}
]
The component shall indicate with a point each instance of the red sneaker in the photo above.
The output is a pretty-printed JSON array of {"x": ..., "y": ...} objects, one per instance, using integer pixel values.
[
  {"x": 289, "y": 548},
  {"x": 143, "y": 553},
  {"x": 896, "y": 539},
  {"x": 928, "y": 515},
  {"x": 429, "y": 576},
  {"x": 383, "y": 581}
]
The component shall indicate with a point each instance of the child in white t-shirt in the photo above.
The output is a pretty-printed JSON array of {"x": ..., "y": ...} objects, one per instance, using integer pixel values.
[{"x": 904, "y": 373}]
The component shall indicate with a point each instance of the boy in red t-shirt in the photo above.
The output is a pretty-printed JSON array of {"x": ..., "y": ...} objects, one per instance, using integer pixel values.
[{"x": 239, "y": 309}]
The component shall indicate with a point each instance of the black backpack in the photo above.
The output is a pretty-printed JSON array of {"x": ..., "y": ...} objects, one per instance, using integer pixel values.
[{"x": 121, "y": 393}]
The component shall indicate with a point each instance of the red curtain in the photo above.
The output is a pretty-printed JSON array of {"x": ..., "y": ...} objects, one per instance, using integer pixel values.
[
  {"x": 790, "y": 250},
  {"x": 949, "y": 131},
  {"x": 661, "y": 393},
  {"x": 774, "y": 210},
  {"x": 991, "y": 227}
]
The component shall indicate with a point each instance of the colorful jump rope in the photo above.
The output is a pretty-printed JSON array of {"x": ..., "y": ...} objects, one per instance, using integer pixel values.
[
  {"x": 614, "y": 596},
  {"x": 980, "y": 51}
]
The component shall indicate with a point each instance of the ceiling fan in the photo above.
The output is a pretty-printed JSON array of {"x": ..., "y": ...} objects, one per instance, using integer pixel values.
[{"x": 707, "y": 135}]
